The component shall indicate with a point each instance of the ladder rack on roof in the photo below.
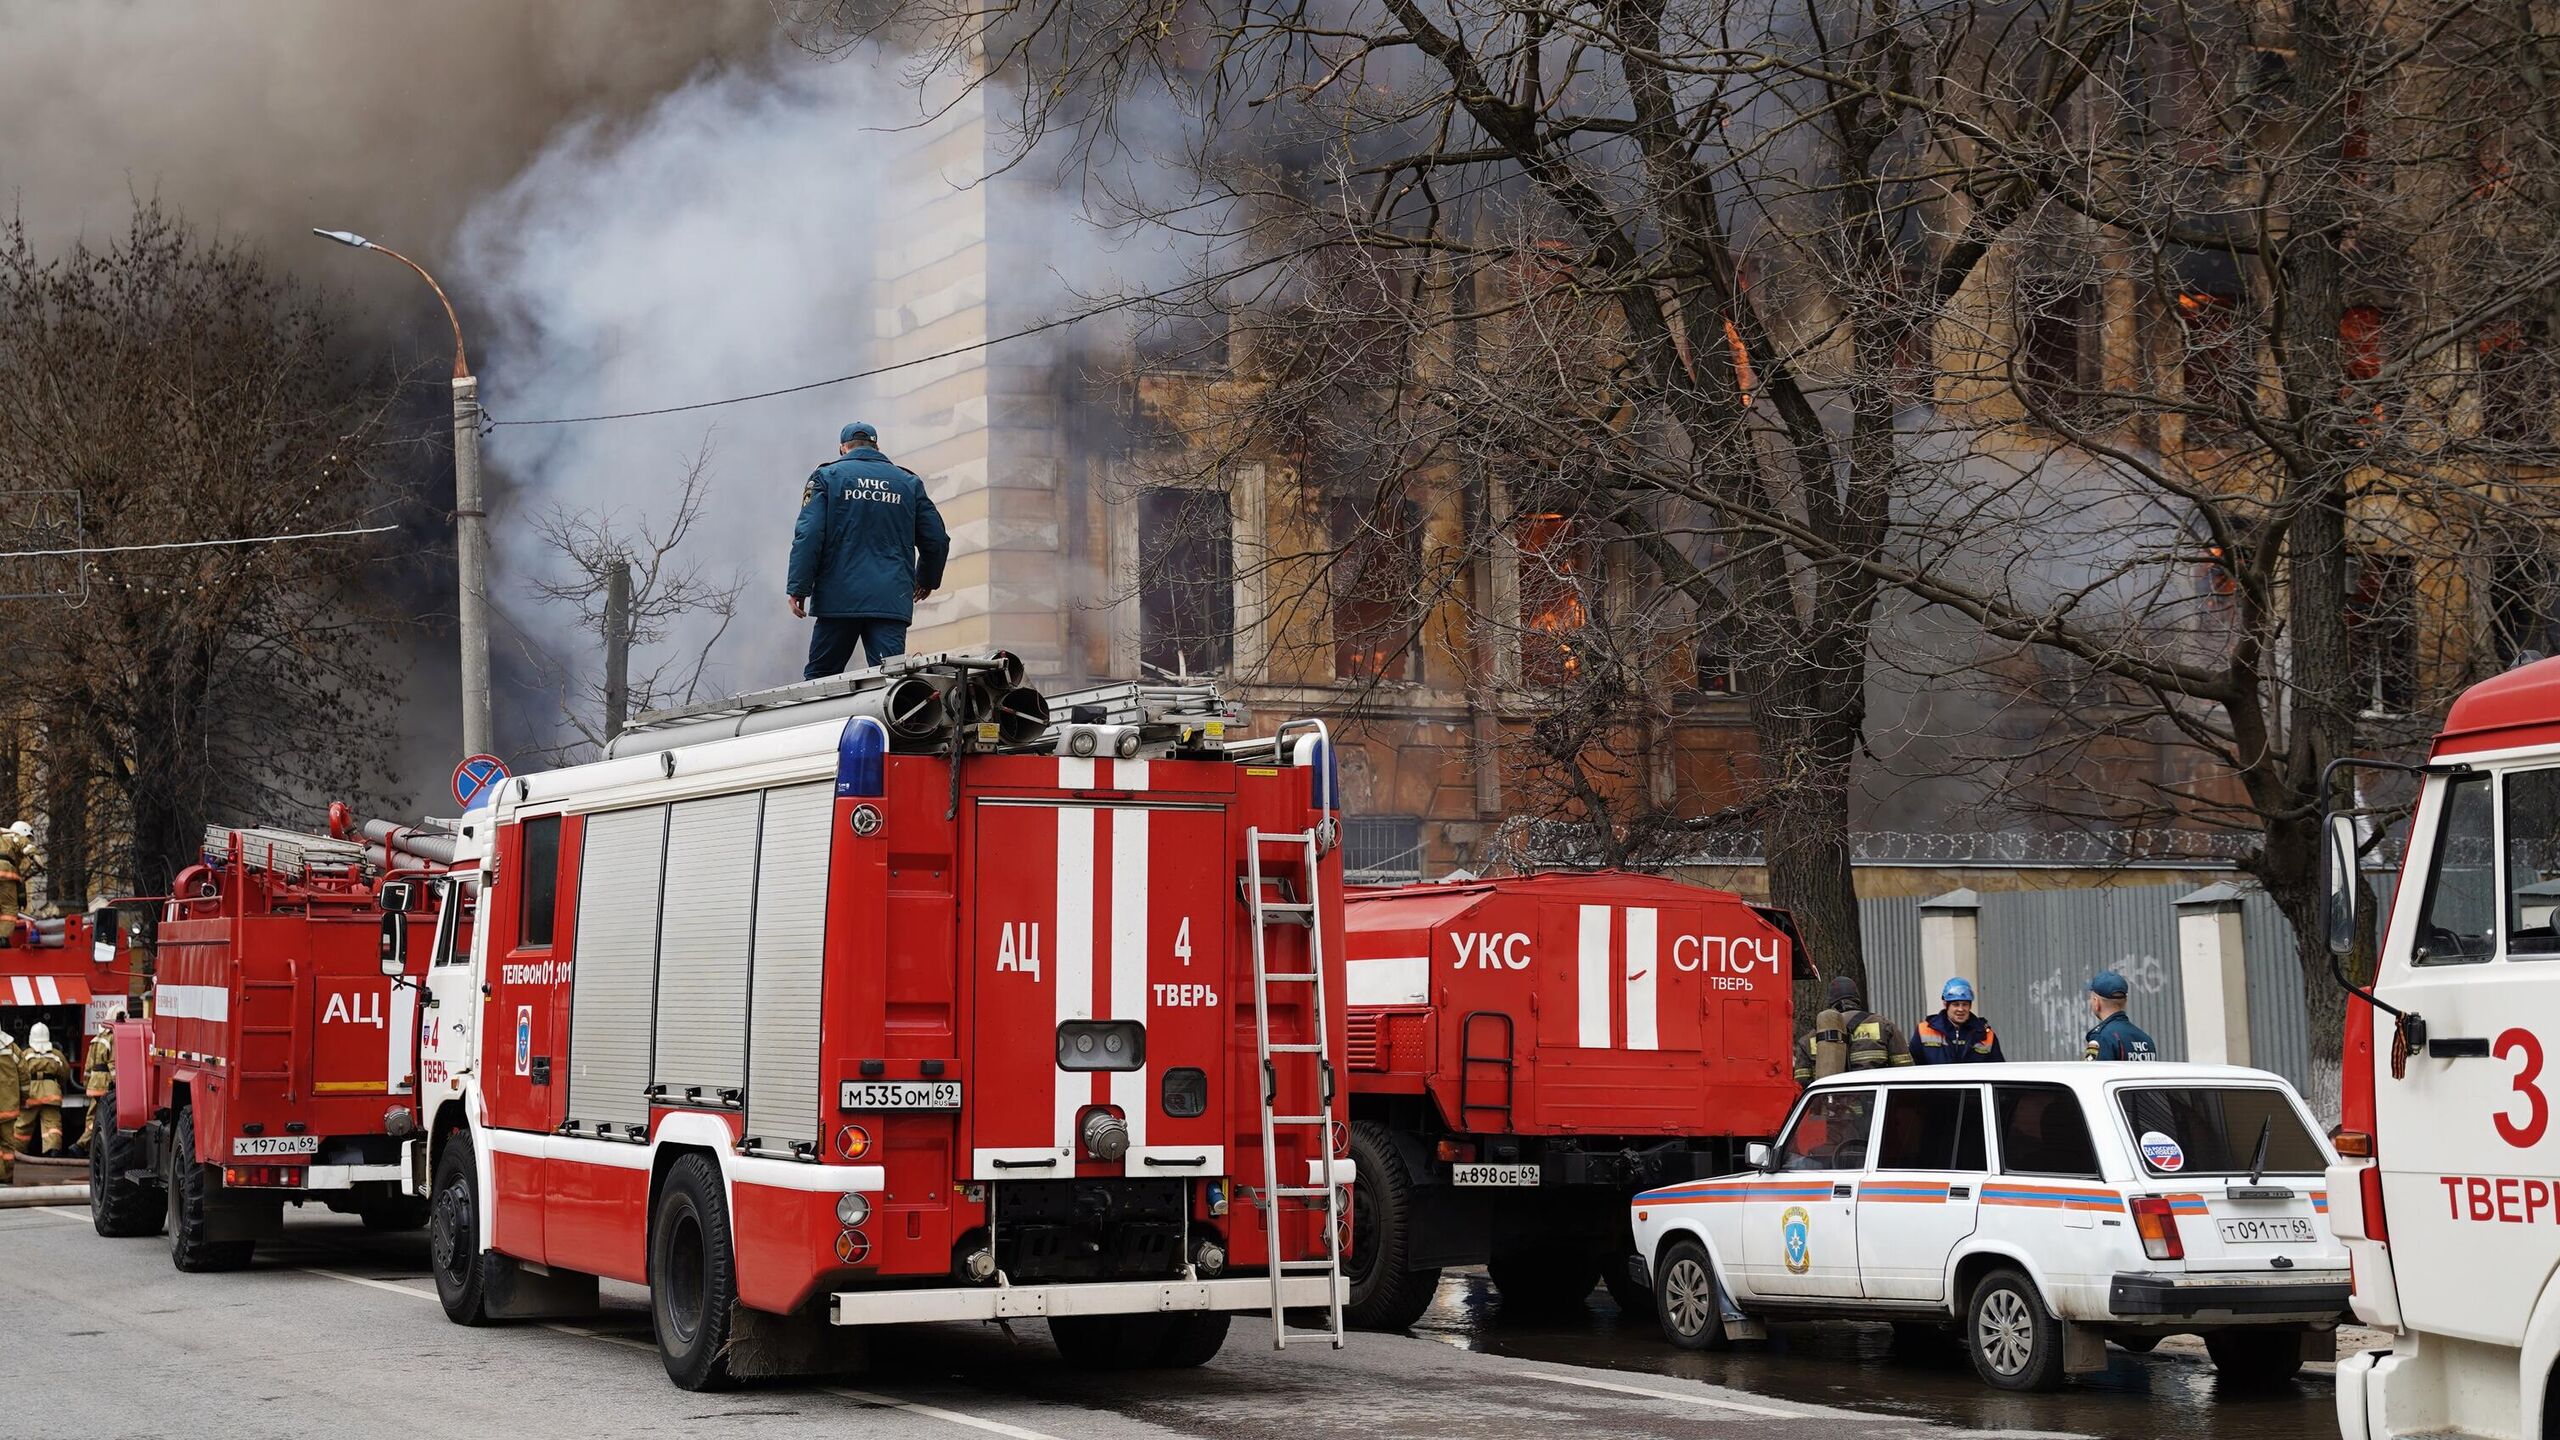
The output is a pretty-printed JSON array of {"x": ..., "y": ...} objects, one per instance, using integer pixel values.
[
  {"x": 282, "y": 852},
  {"x": 1140, "y": 702}
]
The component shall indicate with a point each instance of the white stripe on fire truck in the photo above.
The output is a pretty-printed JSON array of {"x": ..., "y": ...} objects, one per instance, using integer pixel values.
[
  {"x": 1074, "y": 774},
  {"x": 47, "y": 991},
  {"x": 194, "y": 1002},
  {"x": 1129, "y": 951},
  {"x": 1128, "y": 774},
  {"x": 1592, "y": 992},
  {"x": 1073, "y": 973},
  {"x": 1643, "y": 963},
  {"x": 24, "y": 993},
  {"x": 1398, "y": 980}
]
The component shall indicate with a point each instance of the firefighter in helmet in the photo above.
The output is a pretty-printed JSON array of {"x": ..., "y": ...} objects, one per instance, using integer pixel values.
[
  {"x": 43, "y": 1074},
  {"x": 1957, "y": 1034},
  {"x": 1848, "y": 1036},
  {"x": 97, "y": 1072},
  {"x": 19, "y": 862},
  {"x": 11, "y": 1058}
]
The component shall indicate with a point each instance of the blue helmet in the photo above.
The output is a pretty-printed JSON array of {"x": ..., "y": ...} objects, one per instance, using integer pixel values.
[
  {"x": 859, "y": 432},
  {"x": 1956, "y": 990},
  {"x": 2108, "y": 985}
]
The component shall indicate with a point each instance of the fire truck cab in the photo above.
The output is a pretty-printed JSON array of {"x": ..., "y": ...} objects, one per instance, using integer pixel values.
[
  {"x": 832, "y": 1021},
  {"x": 2448, "y": 1190},
  {"x": 66, "y": 975}
]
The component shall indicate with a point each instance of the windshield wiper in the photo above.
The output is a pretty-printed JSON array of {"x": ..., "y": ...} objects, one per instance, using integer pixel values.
[{"x": 2258, "y": 1161}]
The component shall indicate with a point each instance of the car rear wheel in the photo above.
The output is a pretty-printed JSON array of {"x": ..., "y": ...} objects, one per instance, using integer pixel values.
[
  {"x": 2015, "y": 1343},
  {"x": 191, "y": 1202},
  {"x": 119, "y": 1204},
  {"x": 1685, "y": 1298},
  {"x": 2258, "y": 1355}
]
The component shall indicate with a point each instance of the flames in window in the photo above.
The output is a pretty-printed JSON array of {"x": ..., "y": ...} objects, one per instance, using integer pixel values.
[{"x": 1554, "y": 565}]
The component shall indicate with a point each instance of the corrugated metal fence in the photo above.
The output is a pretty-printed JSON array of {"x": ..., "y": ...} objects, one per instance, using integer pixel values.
[{"x": 2039, "y": 948}]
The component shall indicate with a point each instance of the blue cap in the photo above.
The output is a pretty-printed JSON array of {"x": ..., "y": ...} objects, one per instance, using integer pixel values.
[
  {"x": 858, "y": 430},
  {"x": 2108, "y": 985},
  {"x": 1956, "y": 989}
]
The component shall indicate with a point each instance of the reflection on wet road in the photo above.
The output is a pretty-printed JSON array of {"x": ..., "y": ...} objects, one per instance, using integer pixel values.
[{"x": 1857, "y": 1366}]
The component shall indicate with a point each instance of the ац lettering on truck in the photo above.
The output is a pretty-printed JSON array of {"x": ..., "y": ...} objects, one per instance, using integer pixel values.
[
  {"x": 803, "y": 1034},
  {"x": 2448, "y": 1187}
]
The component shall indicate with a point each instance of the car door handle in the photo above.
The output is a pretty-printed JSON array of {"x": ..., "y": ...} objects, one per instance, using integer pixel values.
[
  {"x": 2458, "y": 1048},
  {"x": 1842, "y": 1190},
  {"x": 1959, "y": 1192}
]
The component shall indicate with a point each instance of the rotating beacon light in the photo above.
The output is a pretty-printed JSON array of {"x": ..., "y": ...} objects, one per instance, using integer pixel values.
[{"x": 862, "y": 758}]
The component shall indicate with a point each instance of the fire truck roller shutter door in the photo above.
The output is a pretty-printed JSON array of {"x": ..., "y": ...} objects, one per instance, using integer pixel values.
[
  {"x": 703, "y": 948},
  {"x": 613, "y": 989},
  {"x": 783, "y": 1104}
]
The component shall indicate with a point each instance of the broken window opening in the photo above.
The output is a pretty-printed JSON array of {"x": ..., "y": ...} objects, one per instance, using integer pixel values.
[
  {"x": 1556, "y": 571},
  {"x": 1377, "y": 584},
  {"x": 2382, "y": 632},
  {"x": 1186, "y": 588}
]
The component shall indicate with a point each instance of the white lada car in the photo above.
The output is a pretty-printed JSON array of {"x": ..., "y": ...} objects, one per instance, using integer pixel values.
[{"x": 2038, "y": 1210}]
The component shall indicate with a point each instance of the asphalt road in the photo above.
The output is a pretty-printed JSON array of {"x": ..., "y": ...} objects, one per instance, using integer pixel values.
[{"x": 336, "y": 1332}]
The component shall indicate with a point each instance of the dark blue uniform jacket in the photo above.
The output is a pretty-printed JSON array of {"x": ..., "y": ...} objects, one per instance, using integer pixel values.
[{"x": 868, "y": 538}]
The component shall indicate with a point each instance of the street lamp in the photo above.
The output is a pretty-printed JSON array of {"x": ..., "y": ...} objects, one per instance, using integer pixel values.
[{"x": 470, "y": 521}]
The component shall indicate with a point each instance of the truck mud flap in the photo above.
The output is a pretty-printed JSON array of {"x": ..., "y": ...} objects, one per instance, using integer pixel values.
[{"x": 517, "y": 1291}]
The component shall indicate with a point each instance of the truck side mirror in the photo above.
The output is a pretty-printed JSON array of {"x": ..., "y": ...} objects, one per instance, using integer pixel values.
[
  {"x": 395, "y": 943},
  {"x": 1759, "y": 1157},
  {"x": 2343, "y": 886},
  {"x": 103, "y": 925},
  {"x": 398, "y": 898}
]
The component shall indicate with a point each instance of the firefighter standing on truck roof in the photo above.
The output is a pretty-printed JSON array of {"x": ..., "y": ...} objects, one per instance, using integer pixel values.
[
  {"x": 1955, "y": 1035},
  {"x": 97, "y": 1071},
  {"x": 2115, "y": 1036},
  {"x": 11, "y": 1058},
  {"x": 867, "y": 547},
  {"x": 19, "y": 863},
  {"x": 1848, "y": 1036},
  {"x": 43, "y": 1074}
]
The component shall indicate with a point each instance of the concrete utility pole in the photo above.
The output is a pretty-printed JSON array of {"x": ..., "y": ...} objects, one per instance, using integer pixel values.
[
  {"x": 617, "y": 648},
  {"x": 470, "y": 517}
]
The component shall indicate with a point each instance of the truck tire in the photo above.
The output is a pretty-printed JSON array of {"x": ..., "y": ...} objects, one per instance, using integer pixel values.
[
  {"x": 120, "y": 1206},
  {"x": 2015, "y": 1343},
  {"x": 1117, "y": 1342},
  {"x": 1541, "y": 1281},
  {"x": 1386, "y": 1292},
  {"x": 453, "y": 1234},
  {"x": 395, "y": 1212},
  {"x": 1686, "y": 1298},
  {"x": 2257, "y": 1355},
  {"x": 693, "y": 1276},
  {"x": 190, "y": 1198},
  {"x": 1192, "y": 1339},
  {"x": 1634, "y": 1297}
]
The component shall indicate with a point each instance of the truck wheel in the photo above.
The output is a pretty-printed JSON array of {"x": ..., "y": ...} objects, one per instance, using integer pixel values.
[
  {"x": 2258, "y": 1355},
  {"x": 1193, "y": 1339},
  {"x": 190, "y": 1198},
  {"x": 693, "y": 1276},
  {"x": 395, "y": 1212},
  {"x": 2014, "y": 1343},
  {"x": 453, "y": 1234},
  {"x": 1534, "y": 1280},
  {"x": 1634, "y": 1297},
  {"x": 119, "y": 1205},
  {"x": 1685, "y": 1298},
  {"x": 1386, "y": 1292},
  {"x": 1109, "y": 1342}
]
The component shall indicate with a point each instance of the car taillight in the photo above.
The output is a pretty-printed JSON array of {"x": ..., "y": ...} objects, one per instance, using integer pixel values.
[
  {"x": 262, "y": 1176},
  {"x": 2158, "y": 1228},
  {"x": 1455, "y": 1152},
  {"x": 2369, "y": 1190}
]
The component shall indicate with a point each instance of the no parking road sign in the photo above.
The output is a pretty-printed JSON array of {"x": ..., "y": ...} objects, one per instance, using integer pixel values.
[{"x": 473, "y": 778}]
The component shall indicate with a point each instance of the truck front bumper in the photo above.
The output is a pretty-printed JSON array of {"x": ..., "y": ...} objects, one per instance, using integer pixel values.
[
  {"x": 1101, "y": 1297},
  {"x": 2322, "y": 1295}
]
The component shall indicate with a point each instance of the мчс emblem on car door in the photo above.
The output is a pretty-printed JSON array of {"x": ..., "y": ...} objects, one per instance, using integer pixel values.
[{"x": 1798, "y": 1227}]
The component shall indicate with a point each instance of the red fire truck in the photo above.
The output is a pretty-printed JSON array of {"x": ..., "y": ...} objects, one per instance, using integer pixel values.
[
  {"x": 1527, "y": 1053},
  {"x": 277, "y": 1062},
  {"x": 804, "y": 1014},
  {"x": 54, "y": 973}
]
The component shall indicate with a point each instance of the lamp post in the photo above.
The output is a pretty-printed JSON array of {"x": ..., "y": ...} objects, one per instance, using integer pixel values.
[{"x": 470, "y": 520}]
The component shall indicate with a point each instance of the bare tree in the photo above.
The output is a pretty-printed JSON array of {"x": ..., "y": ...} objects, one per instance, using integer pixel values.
[
  {"x": 676, "y": 609},
  {"x": 186, "y": 394}
]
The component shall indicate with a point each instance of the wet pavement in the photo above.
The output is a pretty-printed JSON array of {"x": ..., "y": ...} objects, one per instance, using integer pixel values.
[{"x": 1857, "y": 1366}]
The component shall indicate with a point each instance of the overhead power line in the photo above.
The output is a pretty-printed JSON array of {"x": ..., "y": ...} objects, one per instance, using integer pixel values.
[{"x": 193, "y": 544}]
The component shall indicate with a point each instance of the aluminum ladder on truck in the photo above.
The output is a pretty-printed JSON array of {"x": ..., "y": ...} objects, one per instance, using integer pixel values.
[{"x": 1309, "y": 846}]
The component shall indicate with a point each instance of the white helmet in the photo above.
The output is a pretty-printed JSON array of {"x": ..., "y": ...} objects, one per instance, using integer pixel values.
[
  {"x": 38, "y": 1037},
  {"x": 23, "y": 830}
]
